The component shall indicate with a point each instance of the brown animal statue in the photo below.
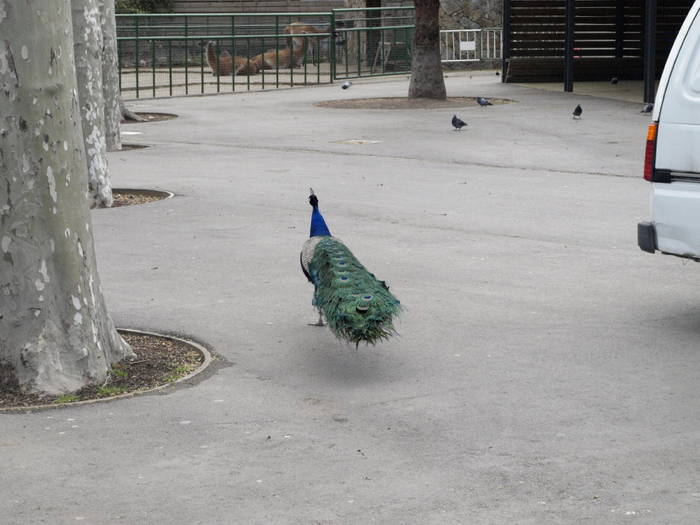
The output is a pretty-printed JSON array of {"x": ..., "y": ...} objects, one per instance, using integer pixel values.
[
  {"x": 284, "y": 58},
  {"x": 225, "y": 65},
  {"x": 300, "y": 43}
]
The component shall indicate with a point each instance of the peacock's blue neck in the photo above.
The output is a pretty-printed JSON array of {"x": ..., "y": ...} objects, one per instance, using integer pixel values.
[{"x": 318, "y": 225}]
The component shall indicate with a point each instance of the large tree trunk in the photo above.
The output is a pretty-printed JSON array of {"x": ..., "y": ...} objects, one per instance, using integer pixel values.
[
  {"x": 87, "y": 35},
  {"x": 110, "y": 76},
  {"x": 55, "y": 333},
  {"x": 427, "y": 80}
]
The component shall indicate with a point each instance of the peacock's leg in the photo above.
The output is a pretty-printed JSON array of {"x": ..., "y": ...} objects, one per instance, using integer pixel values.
[{"x": 320, "y": 320}]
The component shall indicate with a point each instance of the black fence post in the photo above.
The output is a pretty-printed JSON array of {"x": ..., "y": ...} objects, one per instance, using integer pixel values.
[
  {"x": 569, "y": 46},
  {"x": 505, "y": 39},
  {"x": 620, "y": 28},
  {"x": 650, "y": 51}
]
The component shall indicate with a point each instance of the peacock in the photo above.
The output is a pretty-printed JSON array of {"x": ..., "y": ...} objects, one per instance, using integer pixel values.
[{"x": 357, "y": 307}]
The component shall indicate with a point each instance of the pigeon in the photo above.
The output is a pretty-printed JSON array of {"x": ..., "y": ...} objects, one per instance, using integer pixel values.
[
  {"x": 613, "y": 80},
  {"x": 458, "y": 123},
  {"x": 577, "y": 111},
  {"x": 648, "y": 108},
  {"x": 346, "y": 84},
  {"x": 483, "y": 101}
]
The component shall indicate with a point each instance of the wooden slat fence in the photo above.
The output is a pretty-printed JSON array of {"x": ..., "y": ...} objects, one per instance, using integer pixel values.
[{"x": 608, "y": 38}]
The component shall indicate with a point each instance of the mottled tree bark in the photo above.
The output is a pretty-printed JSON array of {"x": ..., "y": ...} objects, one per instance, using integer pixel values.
[
  {"x": 127, "y": 114},
  {"x": 427, "y": 80},
  {"x": 110, "y": 76},
  {"x": 55, "y": 333},
  {"x": 87, "y": 36}
]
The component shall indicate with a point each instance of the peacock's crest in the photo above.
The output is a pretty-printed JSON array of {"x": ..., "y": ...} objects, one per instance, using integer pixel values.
[{"x": 357, "y": 306}]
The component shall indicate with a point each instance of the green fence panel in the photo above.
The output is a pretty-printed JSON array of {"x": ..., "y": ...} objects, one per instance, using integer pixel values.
[{"x": 170, "y": 54}]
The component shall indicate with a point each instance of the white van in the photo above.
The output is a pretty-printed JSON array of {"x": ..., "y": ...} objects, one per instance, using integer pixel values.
[{"x": 672, "y": 158}]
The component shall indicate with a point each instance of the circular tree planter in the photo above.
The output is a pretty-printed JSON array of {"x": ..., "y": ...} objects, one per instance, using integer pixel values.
[
  {"x": 150, "y": 117},
  {"x": 407, "y": 103},
  {"x": 132, "y": 197},
  {"x": 130, "y": 146},
  {"x": 161, "y": 360}
]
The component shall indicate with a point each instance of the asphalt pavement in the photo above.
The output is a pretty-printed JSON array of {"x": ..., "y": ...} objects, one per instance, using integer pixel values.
[{"x": 546, "y": 372}]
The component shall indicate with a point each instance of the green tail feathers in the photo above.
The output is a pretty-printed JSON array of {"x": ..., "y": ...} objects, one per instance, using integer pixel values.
[{"x": 357, "y": 307}]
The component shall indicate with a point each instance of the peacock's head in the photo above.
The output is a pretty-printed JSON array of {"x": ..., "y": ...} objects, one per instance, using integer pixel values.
[{"x": 313, "y": 200}]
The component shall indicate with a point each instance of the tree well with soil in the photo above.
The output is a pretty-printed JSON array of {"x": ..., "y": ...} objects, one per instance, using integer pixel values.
[
  {"x": 131, "y": 197},
  {"x": 158, "y": 360},
  {"x": 127, "y": 146},
  {"x": 144, "y": 116}
]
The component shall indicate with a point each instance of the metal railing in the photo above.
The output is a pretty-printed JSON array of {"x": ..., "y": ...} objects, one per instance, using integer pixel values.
[
  {"x": 167, "y": 55},
  {"x": 372, "y": 41},
  {"x": 170, "y": 54},
  {"x": 471, "y": 45}
]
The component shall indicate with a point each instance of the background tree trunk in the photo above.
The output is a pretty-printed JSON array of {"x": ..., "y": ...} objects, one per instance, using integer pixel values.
[
  {"x": 55, "y": 333},
  {"x": 354, "y": 43},
  {"x": 127, "y": 114},
  {"x": 110, "y": 76},
  {"x": 427, "y": 80},
  {"x": 87, "y": 36}
]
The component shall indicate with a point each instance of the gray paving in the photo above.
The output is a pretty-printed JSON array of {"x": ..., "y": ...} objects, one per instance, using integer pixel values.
[{"x": 547, "y": 370}]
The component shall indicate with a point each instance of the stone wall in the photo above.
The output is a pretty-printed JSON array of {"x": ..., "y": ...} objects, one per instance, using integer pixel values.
[{"x": 470, "y": 14}]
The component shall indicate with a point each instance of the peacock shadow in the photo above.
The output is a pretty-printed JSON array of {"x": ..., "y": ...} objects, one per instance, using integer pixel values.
[
  {"x": 676, "y": 317},
  {"x": 337, "y": 362}
]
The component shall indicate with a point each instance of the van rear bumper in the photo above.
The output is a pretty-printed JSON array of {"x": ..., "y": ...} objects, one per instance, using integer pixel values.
[
  {"x": 646, "y": 236},
  {"x": 676, "y": 217}
]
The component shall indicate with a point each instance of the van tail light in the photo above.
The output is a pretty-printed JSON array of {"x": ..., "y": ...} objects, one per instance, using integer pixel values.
[{"x": 650, "y": 152}]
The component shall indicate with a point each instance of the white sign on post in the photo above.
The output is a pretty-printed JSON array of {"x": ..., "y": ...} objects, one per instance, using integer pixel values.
[{"x": 467, "y": 46}]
